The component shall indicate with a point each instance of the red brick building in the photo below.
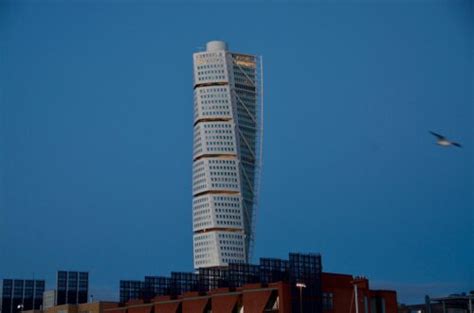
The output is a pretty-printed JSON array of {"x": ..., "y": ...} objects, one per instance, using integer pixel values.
[
  {"x": 253, "y": 298},
  {"x": 338, "y": 294},
  {"x": 337, "y": 297}
]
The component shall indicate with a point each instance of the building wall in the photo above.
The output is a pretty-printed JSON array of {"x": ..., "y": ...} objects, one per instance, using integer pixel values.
[
  {"x": 454, "y": 303},
  {"x": 94, "y": 307},
  {"x": 49, "y": 299},
  {"x": 255, "y": 298},
  {"x": 339, "y": 296}
]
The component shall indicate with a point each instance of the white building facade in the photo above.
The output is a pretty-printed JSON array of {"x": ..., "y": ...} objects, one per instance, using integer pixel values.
[{"x": 228, "y": 130}]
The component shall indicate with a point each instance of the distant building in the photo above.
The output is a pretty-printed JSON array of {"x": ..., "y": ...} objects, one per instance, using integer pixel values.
[
  {"x": 72, "y": 287},
  {"x": 132, "y": 289},
  {"x": 341, "y": 293},
  {"x": 49, "y": 299},
  {"x": 226, "y": 154},
  {"x": 455, "y": 303},
  {"x": 21, "y": 294}
]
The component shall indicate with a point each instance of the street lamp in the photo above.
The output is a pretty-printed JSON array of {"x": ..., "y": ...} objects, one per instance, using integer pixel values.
[
  {"x": 20, "y": 307},
  {"x": 301, "y": 286}
]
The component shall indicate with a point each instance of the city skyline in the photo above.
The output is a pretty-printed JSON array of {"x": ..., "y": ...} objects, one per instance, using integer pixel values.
[{"x": 97, "y": 122}]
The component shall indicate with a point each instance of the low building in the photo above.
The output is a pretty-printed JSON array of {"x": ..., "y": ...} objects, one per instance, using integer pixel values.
[
  {"x": 341, "y": 293},
  {"x": 338, "y": 295},
  {"x": 93, "y": 307},
  {"x": 251, "y": 298},
  {"x": 72, "y": 287},
  {"x": 49, "y": 299},
  {"x": 299, "y": 268},
  {"x": 455, "y": 303},
  {"x": 21, "y": 294}
]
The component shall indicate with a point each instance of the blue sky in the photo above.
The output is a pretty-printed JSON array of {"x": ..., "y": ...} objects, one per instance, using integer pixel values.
[{"x": 96, "y": 137}]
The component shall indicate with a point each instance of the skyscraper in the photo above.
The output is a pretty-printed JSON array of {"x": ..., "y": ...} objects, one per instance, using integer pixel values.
[{"x": 228, "y": 116}]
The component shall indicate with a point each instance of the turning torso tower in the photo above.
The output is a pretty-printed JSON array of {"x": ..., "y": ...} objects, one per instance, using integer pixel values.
[{"x": 227, "y": 150}]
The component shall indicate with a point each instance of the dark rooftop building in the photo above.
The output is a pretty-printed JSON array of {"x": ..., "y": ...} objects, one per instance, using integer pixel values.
[
  {"x": 20, "y": 294},
  {"x": 72, "y": 287},
  {"x": 296, "y": 285},
  {"x": 299, "y": 268},
  {"x": 455, "y": 303}
]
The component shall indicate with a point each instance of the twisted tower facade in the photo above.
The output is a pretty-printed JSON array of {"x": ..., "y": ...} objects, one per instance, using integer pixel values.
[{"x": 228, "y": 129}]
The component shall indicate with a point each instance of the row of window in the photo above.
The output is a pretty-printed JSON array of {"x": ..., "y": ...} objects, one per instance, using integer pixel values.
[
  {"x": 212, "y": 90},
  {"x": 205, "y": 55},
  {"x": 203, "y": 249},
  {"x": 215, "y": 107},
  {"x": 219, "y": 143},
  {"x": 197, "y": 132},
  {"x": 202, "y": 262},
  {"x": 206, "y": 214},
  {"x": 215, "y": 113},
  {"x": 200, "y": 218},
  {"x": 229, "y": 223},
  {"x": 198, "y": 209},
  {"x": 217, "y": 125},
  {"x": 202, "y": 256},
  {"x": 232, "y": 261},
  {"x": 226, "y": 149},
  {"x": 226, "y": 198},
  {"x": 200, "y": 187},
  {"x": 201, "y": 72},
  {"x": 216, "y": 77},
  {"x": 198, "y": 167},
  {"x": 230, "y": 236},
  {"x": 231, "y": 242},
  {"x": 219, "y": 137},
  {"x": 212, "y": 95},
  {"x": 205, "y": 199},
  {"x": 199, "y": 181},
  {"x": 224, "y": 179},
  {"x": 233, "y": 254},
  {"x": 201, "y": 206},
  {"x": 203, "y": 237},
  {"x": 218, "y": 131},
  {"x": 222, "y": 167},
  {"x": 228, "y": 216},
  {"x": 214, "y": 104},
  {"x": 199, "y": 225},
  {"x": 224, "y": 204},
  {"x": 220, "y": 161},
  {"x": 219, "y": 185},
  {"x": 221, "y": 173},
  {"x": 219, "y": 223},
  {"x": 217, "y": 57},
  {"x": 232, "y": 248},
  {"x": 196, "y": 176}
]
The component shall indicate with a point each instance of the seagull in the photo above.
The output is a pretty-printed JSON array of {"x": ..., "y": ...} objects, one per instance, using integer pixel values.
[{"x": 442, "y": 141}]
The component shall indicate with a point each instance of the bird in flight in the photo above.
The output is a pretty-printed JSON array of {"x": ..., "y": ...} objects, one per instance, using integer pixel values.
[{"x": 443, "y": 141}]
